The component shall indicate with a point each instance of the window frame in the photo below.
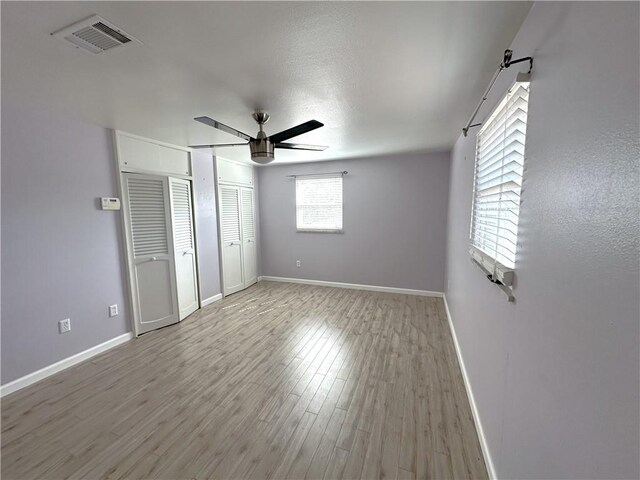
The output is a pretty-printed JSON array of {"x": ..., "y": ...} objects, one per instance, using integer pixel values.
[
  {"x": 496, "y": 271},
  {"x": 319, "y": 177}
]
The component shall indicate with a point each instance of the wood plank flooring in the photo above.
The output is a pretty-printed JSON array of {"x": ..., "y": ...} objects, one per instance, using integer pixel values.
[{"x": 277, "y": 381}]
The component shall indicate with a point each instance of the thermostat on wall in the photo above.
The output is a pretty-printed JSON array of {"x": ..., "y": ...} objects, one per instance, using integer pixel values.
[{"x": 110, "y": 203}]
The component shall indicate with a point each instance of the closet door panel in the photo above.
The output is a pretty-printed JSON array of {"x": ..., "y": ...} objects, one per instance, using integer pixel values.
[
  {"x": 184, "y": 249},
  {"x": 153, "y": 279},
  {"x": 248, "y": 237},
  {"x": 151, "y": 257},
  {"x": 231, "y": 239}
]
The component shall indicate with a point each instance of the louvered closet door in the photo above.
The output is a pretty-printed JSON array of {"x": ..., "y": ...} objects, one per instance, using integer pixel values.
[
  {"x": 249, "y": 260},
  {"x": 183, "y": 243},
  {"x": 231, "y": 246},
  {"x": 151, "y": 256}
]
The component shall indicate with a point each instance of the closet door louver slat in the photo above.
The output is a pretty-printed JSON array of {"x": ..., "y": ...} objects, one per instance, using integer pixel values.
[
  {"x": 248, "y": 229},
  {"x": 148, "y": 216},
  {"x": 230, "y": 215},
  {"x": 182, "y": 231}
]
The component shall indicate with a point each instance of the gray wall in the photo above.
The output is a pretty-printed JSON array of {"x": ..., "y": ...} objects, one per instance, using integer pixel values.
[
  {"x": 206, "y": 224},
  {"x": 61, "y": 254},
  {"x": 556, "y": 375},
  {"x": 63, "y": 257},
  {"x": 394, "y": 223}
]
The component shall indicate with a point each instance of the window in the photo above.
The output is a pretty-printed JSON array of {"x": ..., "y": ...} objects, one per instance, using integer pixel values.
[
  {"x": 497, "y": 183},
  {"x": 319, "y": 203}
]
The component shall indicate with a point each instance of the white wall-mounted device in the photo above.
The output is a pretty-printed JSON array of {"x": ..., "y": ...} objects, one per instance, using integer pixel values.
[
  {"x": 95, "y": 35},
  {"x": 110, "y": 203}
]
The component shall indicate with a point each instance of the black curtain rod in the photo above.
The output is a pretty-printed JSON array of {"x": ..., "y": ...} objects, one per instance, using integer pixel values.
[
  {"x": 315, "y": 174},
  {"x": 506, "y": 63}
]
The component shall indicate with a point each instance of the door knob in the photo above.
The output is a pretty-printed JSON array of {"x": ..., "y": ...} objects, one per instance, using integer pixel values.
[
  {"x": 184, "y": 253},
  {"x": 153, "y": 259}
]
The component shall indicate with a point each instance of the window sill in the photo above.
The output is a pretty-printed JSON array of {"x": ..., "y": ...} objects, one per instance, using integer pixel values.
[
  {"x": 494, "y": 272},
  {"x": 314, "y": 230}
]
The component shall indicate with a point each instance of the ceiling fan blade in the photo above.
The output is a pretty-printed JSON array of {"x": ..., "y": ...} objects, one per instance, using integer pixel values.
[
  {"x": 218, "y": 145},
  {"x": 221, "y": 126},
  {"x": 295, "y": 131},
  {"x": 299, "y": 146}
]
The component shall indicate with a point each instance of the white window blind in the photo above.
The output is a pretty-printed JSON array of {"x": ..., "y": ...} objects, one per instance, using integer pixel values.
[
  {"x": 319, "y": 203},
  {"x": 498, "y": 178}
]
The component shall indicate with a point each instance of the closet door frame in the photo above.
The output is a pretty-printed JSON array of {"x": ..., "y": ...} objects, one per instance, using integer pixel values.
[
  {"x": 131, "y": 260},
  {"x": 220, "y": 180},
  {"x": 156, "y": 164}
]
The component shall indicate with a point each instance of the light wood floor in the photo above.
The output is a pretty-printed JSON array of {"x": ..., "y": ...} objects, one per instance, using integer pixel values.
[{"x": 277, "y": 381}]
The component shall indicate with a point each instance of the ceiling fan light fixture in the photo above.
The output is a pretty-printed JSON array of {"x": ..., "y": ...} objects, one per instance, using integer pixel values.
[
  {"x": 262, "y": 147},
  {"x": 261, "y": 150}
]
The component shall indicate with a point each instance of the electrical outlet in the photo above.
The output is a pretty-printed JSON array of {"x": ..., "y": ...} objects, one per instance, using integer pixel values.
[
  {"x": 113, "y": 310},
  {"x": 298, "y": 263},
  {"x": 64, "y": 325}
]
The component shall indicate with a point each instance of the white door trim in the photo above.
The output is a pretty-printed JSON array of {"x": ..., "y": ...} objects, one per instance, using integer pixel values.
[{"x": 119, "y": 163}]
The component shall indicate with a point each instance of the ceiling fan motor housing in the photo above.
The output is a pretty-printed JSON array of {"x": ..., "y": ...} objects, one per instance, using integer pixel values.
[{"x": 261, "y": 149}]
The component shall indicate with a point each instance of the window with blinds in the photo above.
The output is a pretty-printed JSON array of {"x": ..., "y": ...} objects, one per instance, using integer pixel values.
[
  {"x": 319, "y": 203},
  {"x": 498, "y": 180}
]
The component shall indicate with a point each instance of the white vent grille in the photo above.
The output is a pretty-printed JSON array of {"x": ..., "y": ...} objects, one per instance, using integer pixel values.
[{"x": 95, "y": 35}]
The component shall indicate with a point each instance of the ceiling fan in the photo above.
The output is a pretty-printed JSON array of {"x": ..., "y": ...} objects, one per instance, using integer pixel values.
[{"x": 262, "y": 147}]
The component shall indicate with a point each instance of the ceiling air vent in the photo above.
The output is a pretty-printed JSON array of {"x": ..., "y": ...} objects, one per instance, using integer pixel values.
[{"x": 95, "y": 35}]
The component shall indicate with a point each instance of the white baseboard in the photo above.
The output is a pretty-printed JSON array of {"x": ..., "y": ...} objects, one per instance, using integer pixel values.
[
  {"x": 45, "y": 372},
  {"x": 355, "y": 286},
  {"x": 491, "y": 471},
  {"x": 210, "y": 300}
]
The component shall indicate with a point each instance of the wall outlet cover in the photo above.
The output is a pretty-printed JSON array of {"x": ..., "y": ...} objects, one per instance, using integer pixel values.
[
  {"x": 298, "y": 263},
  {"x": 64, "y": 325},
  {"x": 113, "y": 310}
]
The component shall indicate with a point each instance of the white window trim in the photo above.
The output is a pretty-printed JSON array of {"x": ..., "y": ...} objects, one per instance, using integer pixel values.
[
  {"x": 501, "y": 275},
  {"x": 319, "y": 230}
]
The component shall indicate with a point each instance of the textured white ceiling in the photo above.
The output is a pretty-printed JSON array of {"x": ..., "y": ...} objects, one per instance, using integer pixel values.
[{"x": 384, "y": 77}]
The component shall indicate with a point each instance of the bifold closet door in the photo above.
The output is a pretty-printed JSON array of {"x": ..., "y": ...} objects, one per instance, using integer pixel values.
[
  {"x": 183, "y": 246},
  {"x": 249, "y": 260},
  {"x": 231, "y": 242},
  {"x": 151, "y": 256}
]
